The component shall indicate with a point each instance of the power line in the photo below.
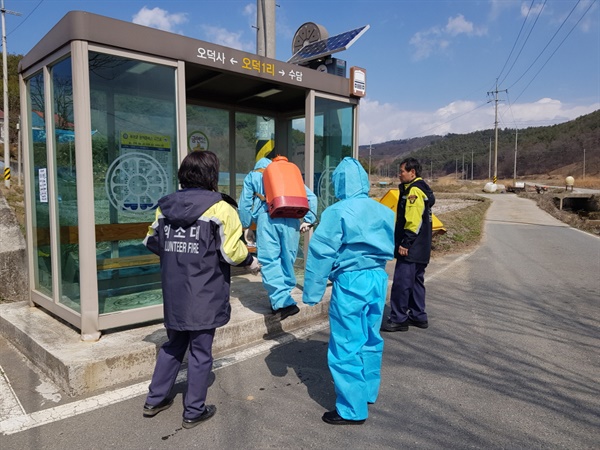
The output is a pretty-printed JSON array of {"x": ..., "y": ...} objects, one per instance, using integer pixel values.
[
  {"x": 26, "y": 17},
  {"x": 526, "y": 39},
  {"x": 549, "y": 42},
  {"x": 516, "y": 40},
  {"x": 559, "y": 45}
]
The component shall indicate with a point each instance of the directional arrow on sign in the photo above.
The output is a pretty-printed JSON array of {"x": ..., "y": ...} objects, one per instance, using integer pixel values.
[
  {"x": 233, "y": 61},
  {"x": 282, "y": 72}
]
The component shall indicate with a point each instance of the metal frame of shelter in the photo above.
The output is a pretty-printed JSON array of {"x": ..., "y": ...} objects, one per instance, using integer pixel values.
[{"x": 133, "y": 97}]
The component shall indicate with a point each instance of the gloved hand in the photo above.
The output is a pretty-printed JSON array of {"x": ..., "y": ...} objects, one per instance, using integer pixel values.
[
  {"x": 304, "y": 227},
  {"x": 250, "y": 237},
  {"x": 254, "y": 268}
]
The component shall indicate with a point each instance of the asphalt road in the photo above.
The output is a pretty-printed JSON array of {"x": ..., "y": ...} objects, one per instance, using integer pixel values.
[{"x": 511, "y": 360}]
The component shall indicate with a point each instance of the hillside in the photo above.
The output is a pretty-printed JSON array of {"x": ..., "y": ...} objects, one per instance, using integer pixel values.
[{"x": 557, "y": 149}]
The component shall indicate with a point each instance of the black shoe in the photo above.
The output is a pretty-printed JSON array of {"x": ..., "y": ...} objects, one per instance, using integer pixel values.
[
  {"x": 286, "y": 312},
  {"x": 388, "y": 325},
  {"x": 333, "y": 418},
  {"x": 418, "y": 323},
  {"x": 209, "y": 411},
  {"x": 151, "y": 411}
]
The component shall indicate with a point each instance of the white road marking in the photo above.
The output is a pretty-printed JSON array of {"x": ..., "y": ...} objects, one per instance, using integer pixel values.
[
  {"x": 8, "y": 399},
  {"x": 13, "y": 421}
]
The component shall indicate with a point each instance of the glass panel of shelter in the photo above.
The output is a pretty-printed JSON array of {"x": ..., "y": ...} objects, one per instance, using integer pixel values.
[
  {"x": 42, "y": 250},
  {"x": 135, "y": 161},
  {"x": 334, "y": 140}
]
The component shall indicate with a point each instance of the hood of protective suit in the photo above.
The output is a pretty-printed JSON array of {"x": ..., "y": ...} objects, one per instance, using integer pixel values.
[
  {"x": 350, "y": 179},
  {"x": 262, "y": 163}
]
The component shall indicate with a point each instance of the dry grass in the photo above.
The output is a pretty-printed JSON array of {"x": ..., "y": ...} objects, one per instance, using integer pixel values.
[
  {"x": 464, "y": 227},
  {"x": 14, "y": 197}
]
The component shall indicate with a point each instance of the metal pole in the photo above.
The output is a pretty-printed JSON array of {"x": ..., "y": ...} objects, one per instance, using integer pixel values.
[
  {"x": 5, "y": 82},
  {"x": 584, "y": 163}
]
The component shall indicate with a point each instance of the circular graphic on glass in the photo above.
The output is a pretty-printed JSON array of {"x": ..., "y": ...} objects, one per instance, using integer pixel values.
[
  {"x": 197, "y": 140},
  {"x": 135, "y": 182},
  {"x": 325, "y": 190}
]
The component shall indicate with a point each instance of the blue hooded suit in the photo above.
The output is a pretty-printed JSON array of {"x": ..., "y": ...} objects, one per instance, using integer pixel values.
[
  {"x": 277, "y": 239},
  {"x": 350, "y": 246}
]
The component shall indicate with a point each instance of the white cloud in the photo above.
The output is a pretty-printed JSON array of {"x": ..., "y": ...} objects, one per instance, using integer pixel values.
[
  {"x": 534, "y": 10},
  {"x": 438, "y": 39},
  {"x": 382, "y": 122},
  {"x": 222, "y": 36},
  {"x": 459, "y": 25},
  {"x": 425, "y": 43},
  {"x": 159, "y": 18}
]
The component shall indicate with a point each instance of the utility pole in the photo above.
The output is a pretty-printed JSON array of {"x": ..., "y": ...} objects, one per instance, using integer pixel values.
[
  {"x": 490, "y": 162},
  {"x": 584, "y": 163},
  {"x": 496, "y": 91},
  {"x": 265, "y": 46},
  {"x": 472, "y": 165},
  {"x": 515, "y": 167},
  {"x": 369, "y": 164},
  {"x": 265, "y": 28},
  {"x": 5, "y": 82},
  {"x": 462, "y": 175}
]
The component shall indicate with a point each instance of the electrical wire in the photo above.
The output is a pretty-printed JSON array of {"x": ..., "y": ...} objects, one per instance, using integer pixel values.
[
  {"x": 526, "y": 39},
  {"x": 516, "y": 40},
  {"x": 559, "y": 45},
  {"x": 26, "y": 17},
  {"x": 549, "y": 42}
]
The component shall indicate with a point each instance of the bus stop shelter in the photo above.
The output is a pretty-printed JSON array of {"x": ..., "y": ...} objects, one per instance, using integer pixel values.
[{"x": 109, "y": 109}]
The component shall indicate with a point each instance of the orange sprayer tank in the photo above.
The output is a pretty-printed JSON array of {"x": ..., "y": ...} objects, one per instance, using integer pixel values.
[{"x": 284, "y": 189}]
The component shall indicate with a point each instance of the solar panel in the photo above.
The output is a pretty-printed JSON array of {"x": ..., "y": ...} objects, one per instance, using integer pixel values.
[{"x": 327, "y": 46}]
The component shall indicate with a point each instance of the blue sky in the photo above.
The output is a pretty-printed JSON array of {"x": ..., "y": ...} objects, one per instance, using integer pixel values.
[{"x": 430, "y": 64}]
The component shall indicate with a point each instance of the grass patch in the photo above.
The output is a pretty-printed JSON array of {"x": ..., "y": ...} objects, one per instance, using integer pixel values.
[{"x": 464, "y": 227}]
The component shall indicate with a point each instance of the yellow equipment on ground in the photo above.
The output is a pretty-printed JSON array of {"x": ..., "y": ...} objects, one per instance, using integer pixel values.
[{"x": 390, "y": 199}]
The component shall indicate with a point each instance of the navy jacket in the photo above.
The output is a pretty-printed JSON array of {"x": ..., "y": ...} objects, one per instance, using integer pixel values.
[
  {"x": 197, "y": 235},
  {"x": 413, "y": 221}
]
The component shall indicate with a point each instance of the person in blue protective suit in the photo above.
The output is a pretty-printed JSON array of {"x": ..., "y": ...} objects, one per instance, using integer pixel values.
[
  {"x": 350, "y": 246},
  {"x": 413, "y": 234},
  {"x": 277, "y": 240},
  {"x": 197, "y": 234}
]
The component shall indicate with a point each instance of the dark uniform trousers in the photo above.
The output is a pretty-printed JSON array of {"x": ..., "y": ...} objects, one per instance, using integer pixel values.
[
  {"x": 170, "y": 357},
  {"x": 407, "y": 298}
]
